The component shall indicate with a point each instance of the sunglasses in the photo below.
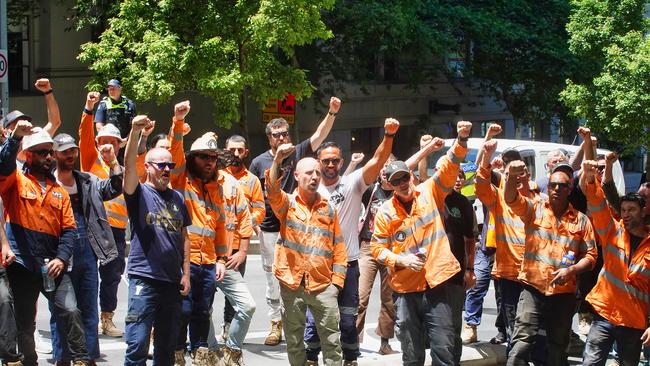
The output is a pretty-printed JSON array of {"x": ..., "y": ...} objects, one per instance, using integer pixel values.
[
  {"x": 558, "y": 185},
  {"x": 43, "y": 152},
  {"x": 327, "y": 162},
  {"x": 207, "y": 157},
  {"x": 400, "y": 180},
  {"x": 277, "y": 135},
  {"x": 601, "y": 168},
  {"x": 163, "y": 165}
]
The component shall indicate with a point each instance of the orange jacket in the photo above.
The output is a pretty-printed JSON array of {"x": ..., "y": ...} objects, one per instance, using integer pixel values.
[
  {"x": 218, "y": 208},
  {"x": 509, "y": 233},
  {"x": 622, "y": 293},
  {"x": 91, "y": 162},
  {"x": 310, "y": 248},
  {"x": 252, "y": 189},
  {"x": 548, "y": 239},
  {"x": 398, "y": 232},
  {"x": 40, "y": 221}
]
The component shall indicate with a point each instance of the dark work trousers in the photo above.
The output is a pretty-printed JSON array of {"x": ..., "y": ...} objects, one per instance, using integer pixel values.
[
  {"x": 348, "y": 300},
  {"x": 195, "y": 311},
  {"x": 228, "y": 310},
  {"x": 8, "y": 331},
  {"x": 26, "y": 286},
  {"x": 111, "y": 274}
]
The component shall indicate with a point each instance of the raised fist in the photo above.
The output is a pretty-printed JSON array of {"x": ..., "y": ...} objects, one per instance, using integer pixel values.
[
  {"x": 516, "y": 168},
  {"x": 140, "y": 122},
  {"x": 335, "y": 105},
  {"x": 149, "y": 129},
  {"x": 22, "y": 129},
  {"x": 497, "y": 164},
  {"x": 108, "y": 152},
  {"x": 186, "y": 129},
  {"x": 284, "y": 151},
  {"x": 493, "y": 130},
  {"x": 490, "y": 146},
  {"x": 357, "y": 158},
  {"x": 181, "y": 110},
  {"x": 464, "y": 128},
  {"x": 589, "y": 168},
  {"x": 611, "y": 158},
  {"x": 91, "y": 99},
  {"x": 391, "y": 125},
  {"x": 43, "y": 85},
  {"x": 584, "y": 132},
  {"x": 436, "y": 144},
  {"x": 424, "y": 140}
]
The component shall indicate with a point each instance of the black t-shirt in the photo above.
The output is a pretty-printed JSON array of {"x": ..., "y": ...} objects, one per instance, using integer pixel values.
[
  {"x": 263, "y": 162},
  {"x": 373, "y": 198},
  {"x": 458, "y": 219},
  {"x": 635, "y": 241}
]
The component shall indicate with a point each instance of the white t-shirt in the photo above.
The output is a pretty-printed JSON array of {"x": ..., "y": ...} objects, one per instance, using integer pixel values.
[{"x": 346, "y": 196}]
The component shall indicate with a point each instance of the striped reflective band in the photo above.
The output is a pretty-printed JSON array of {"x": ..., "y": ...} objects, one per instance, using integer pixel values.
[
  {"x": 542, "y": 258},
  {"x": 643, "y": 271},
  {"x": 506, "y": 238},
  {"x": 551, "y": 236},
  {"x": 339, "y": 268},
  {"x": 201, "y": 231},
  {"x": 625, "y": 287},
  {"x": 302, "y": 228},
  {"x": 304, "y": 249}
]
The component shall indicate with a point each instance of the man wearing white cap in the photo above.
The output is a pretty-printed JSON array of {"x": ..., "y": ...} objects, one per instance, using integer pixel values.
[
  {"x": 115, "y": 109},
  {"x": 94, "y": 157},
  {"x": 41, "y": 231}
]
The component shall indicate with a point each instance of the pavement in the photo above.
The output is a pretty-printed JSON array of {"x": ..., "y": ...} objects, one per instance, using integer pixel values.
[{"x": 256, "y": 353}]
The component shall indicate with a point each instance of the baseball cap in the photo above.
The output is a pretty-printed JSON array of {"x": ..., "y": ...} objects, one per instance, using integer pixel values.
[
  {"x": 563, "y": 167},
  {"x": 38, "y": 136},
  {"x": 64, "y": 142},
  {"x": 115, "y": 83},
  {"x": 206, "y": 142},
  {"x": 395, "y": 167},
  {"x": 13, "y": 116},
  {"x": 110, "y": 130}
]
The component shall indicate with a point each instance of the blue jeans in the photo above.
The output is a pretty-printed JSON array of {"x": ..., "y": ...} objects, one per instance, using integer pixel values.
[
  {"x": 431, "y": 315},
  {"x": 602, "y": 336},
  {"x": 236, "y": 291},
  {"x": 196, "y": 307},
  {"x": 152, "y": 304},
  {"x": 111, "y": 274},
  {"x": 348, "y": 301},
  {"x": 474, "y": 299},
  {"x": 85, "y": 283},
  {"x": 228, "y": 309}
]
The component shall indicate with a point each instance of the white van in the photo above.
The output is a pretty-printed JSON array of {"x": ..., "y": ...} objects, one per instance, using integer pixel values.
[{"x": 533, "y": 153}]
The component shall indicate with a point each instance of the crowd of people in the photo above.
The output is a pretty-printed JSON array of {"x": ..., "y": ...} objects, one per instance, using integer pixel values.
[{"x": 563, "y": 245}]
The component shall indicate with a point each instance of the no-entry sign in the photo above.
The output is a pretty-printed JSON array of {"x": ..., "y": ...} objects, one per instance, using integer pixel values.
[{"x": 4, "y": 66}]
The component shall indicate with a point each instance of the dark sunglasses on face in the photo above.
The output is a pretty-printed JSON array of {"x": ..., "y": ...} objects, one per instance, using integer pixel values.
[
  {"x": 400, "y": 180},
  {"x": 163, "y": 165},
  {"x": 43, "y": 152},
  {"x": 277, "y": 135},
  {"x": 207, "y": 157},
  {"x": 327, "y": 162},
  {"x": 558, "y": 185}
]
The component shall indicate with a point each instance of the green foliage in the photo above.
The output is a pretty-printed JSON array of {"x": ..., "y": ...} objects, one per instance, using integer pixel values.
[
  {"x": 221, "y": 49},
  {"x": 18, "y": 9},
  {"x": 613, "y": 94}
]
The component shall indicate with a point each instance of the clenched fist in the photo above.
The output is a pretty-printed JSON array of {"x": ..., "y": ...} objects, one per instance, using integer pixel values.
[
  {"x": 391, "y": 125},
  {"x": 108, "y": 152},
  {"x": 335, "y": 105},
  {"x": 464, "y": 128},
  {"x": 22, "y": 129},
  {"x": 490, "y": 146},
  {"x": 589, "y": 168},
  {"x": 181, "y": 110},
  {"x": 516, "y": 168},
  {"x": 43, "y": 85},
  {"x": 284, "y": 151},
  {"x": 493, "y": 130},
  {"x": 140, "y": 122},
  {"x": 424, "y": 140}
]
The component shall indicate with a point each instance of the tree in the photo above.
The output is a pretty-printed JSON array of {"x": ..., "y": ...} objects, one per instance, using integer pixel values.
[
  {"x": 609, "y": 37},
  {"x": 228, "y": 51}
]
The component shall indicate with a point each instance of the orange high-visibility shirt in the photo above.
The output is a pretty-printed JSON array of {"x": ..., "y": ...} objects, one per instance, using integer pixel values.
[
  {"x": 622, "y": 292},
  {"x": 398, "y": 232},
  {"x": 310, "y": 248},
  {"x": 91, "y": 162},
  {"x": 548, "y": 239},
  {"x": 252, "y": 189}
]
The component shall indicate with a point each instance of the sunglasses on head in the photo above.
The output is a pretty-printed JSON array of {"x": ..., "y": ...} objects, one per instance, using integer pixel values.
[
  {"x": 327, "y": 162},
  {"x": 277, "y": 135},
  {"x": 207, "y": 157},
  {"x": 163, "y": 165},
  {"x": 558, "y": 185},
  {"x": 43, "y": 152},
  {"x": 397, "y": 181}
]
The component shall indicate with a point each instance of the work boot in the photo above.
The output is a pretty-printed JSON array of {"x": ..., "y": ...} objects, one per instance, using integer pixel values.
[
  {"x": 215, "y": 357},
  {"x": 386, "y": 349},
  {"x": 108, "y": 327},
  {"x": 16, "y": 363},
  {"x": 225, "y": 330},
  {"x": 469, "y": 334},
  {"x": 275, "y": 335},
  {"x": 80, "y": 363},
  {"x": 179, "y": 358},
  {"x": 584, "y": 323},
  {"x": 311, "y": 363},
  {"x": 201, "y": 357},
  {"x": 350, "y": 363},
  {"x": 576, "y": 346},
  {"x": 232, "y": 357},
  {"x": 499, "y": 338}
]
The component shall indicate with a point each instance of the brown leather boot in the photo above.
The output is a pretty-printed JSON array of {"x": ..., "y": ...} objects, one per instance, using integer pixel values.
[
  {"x": 275, "y": 335},
  {"x": 108, "y": 327}
]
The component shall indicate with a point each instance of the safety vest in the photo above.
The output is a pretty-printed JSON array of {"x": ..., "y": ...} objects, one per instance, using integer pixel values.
[{"x": 252, "y": 189}]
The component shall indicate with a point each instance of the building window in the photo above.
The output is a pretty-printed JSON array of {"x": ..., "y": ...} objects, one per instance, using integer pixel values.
[{"x": 19, "y": 56}]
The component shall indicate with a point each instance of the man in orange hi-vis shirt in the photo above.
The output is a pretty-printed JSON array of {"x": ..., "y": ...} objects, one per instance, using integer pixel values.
[
  {"x": 310, "y": 258},
  {"x": 94, "y": 158},
  {"x": 559, "y": 245},
  {"x": 621, "y": 297},
  {"x": 410, "y": 239}
]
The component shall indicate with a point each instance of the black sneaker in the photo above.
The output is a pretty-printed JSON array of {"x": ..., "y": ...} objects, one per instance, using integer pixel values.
[{"x": 499, "y": 338}]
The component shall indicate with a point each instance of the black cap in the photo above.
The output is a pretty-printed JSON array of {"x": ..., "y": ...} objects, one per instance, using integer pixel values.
[
  {"x": 395, "y": 167},
  {"x": 115, "y": 83},
  {"x": 563, "y": 167},
  {"x": 13, "y": 116}
]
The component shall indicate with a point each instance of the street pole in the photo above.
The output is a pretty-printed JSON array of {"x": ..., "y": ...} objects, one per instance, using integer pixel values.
[{"x": 4, "y": 82}]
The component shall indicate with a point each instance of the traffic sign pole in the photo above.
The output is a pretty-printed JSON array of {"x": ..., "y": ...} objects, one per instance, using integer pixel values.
[{"x": 4, "y": 80}]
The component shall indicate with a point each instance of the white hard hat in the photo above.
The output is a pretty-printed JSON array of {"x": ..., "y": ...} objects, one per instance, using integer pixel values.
[
  {"x": 110, "y": 130},
  {"x": 38, "y": 136},
  {"x": 206, "y": 142}
]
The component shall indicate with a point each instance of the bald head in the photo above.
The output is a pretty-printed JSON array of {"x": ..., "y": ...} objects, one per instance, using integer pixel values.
[
  {"x": 158, "y": 155},
  {"x": 308, "y": 176},
  {"x": 306, "y": 164}
]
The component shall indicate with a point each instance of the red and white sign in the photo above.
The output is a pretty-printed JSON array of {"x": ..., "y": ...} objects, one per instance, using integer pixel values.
[{"x": 4, "y": 66}]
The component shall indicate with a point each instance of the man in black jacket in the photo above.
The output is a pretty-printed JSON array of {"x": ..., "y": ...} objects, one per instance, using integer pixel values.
[{"x": 94, "y": 240}]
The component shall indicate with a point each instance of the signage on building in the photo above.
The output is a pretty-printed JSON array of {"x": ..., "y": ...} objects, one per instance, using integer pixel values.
[
  {"x": 4, "y": 66},
  {"x": 280, "y": 108}
]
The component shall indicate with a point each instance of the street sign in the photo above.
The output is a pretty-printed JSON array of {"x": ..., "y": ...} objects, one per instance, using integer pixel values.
[
  {"x": 280, "y": 108},
  {"x": 4, "y": 66}
]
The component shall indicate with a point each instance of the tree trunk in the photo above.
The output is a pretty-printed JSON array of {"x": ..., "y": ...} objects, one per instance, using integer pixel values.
[
  {"x": 647, "y": 165},
  {"x": 243, "y": 114}
]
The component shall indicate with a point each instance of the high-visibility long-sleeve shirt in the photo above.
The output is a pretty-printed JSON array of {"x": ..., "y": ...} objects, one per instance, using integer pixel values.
[
  {"x": 92, "y": 162},
  {"x": 398, "y": 232},
  {"x": 622, "y": 292},
  {"x": 252, "y": 189},
  {"x": 310, "y": 247}
]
